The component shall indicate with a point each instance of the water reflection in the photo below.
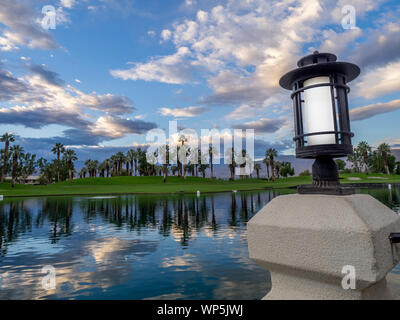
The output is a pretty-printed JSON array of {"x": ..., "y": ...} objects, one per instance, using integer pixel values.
[
  {"x": 131, "y": 247},
  {"x": 136, "y": 247}
]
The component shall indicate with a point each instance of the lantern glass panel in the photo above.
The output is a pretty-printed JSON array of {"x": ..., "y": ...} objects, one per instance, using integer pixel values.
[{"x": 318, "y": 112}]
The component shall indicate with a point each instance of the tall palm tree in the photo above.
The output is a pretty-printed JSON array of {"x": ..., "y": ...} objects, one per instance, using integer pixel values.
[
  {"x": 70, "y": 157},
  {"x": 384, "y": 150},
  {"x": 82, "y": 173},
  {"x": 121, "y": 160},
  {"x": 6, "y": 138},
  {"x": 182, "y": 139},
  {"x": 230, "y": 153},
  {"x": 257, "y": 167},
  {"x": 203, "y": 168},
  {"x": 16, "y": 152},
  {"x": 58, "y": 149},
  {"x": 212, "y": 154},
  {"x": 365, "y": 150},
  {"x": 266, "y": 161},
  {"x": 270, "y": 154},
  {"x": 164, "y": 153},
  {"x": 131, "y": 155},
  {"x": 88, "y": 164},
  {"x": 137, "y": 157}
]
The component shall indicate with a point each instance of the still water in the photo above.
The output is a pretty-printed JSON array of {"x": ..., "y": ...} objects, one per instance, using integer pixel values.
[{"x": 136, "y": 247}]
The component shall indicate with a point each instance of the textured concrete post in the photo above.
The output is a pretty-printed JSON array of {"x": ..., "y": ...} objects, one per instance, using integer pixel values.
[{"x": 306, "y": 240}]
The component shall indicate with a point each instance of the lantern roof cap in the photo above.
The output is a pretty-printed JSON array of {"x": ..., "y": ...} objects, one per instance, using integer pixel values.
[
  {"x": 319, "y": 64},
  {"x": 316, "y": 57}
]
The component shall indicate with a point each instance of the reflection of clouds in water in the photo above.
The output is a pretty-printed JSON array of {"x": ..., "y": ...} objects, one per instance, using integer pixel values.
[
  {"x": 186, "y": 262},
  {"x": 97, "y": 263},
  {"x": 102, "y": 252}
]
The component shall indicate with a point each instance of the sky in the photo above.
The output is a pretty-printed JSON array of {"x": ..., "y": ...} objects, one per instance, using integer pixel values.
[{"x": 112, "y": 70}]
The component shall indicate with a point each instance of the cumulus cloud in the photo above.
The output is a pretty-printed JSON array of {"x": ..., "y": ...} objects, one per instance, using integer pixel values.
[
  {"x": 68, "y": 3},
  {"x": 263, "y": 125},
  {"x": 40, "y": 98},
  {"x": 10, "y": 85},
  {"x": 379, "y": 81},
  {"x": 372, "y": 110},
  {"x": 169, "y": 69},
  {"x": 23, "y": 27},
  {"x": 47, "y": 75},
  {"x": 182, "y": 112}
]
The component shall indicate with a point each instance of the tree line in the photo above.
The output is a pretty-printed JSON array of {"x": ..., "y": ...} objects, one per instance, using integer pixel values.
[{"x": 367, "y": 160}]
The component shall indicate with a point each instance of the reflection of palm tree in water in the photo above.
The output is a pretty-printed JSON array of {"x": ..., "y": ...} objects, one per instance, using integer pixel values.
[
  {"x": 244, "y": 206},
  {"x": 233, "y": 210},
  {"x": 213, "y": 221}
]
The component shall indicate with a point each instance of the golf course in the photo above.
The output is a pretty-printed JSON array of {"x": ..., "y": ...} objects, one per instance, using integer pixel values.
[{"x": 155, "y": 185}]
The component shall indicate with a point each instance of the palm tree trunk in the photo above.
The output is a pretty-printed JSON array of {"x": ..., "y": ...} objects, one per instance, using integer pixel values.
[
  {"x": 165, "y": 172},
  {"x": 69, "y": 171},
  {"x": 366, "y": 163},
  {"x": 384, "y": 156},
  {"x": 58, "y": 166},
  {"x": 272, "y": 169},
  {"x": 14, "y": 170},
  {"x": 4, "y": 171}
]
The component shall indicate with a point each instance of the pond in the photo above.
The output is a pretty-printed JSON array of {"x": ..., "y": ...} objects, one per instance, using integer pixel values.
[{"x": 136, "y": 247}]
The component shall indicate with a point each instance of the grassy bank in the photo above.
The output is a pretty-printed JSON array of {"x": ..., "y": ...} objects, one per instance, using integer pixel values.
[{"x": 125, "y": 185}]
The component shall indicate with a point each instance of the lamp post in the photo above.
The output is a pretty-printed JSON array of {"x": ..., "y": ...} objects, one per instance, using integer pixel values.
[
  {"x": 321, "y": 117},
  {"x": 307, "y": 240}
]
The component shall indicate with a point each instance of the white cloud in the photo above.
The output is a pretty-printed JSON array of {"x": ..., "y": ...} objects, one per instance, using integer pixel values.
[
  {"x": 372, "y": 110},
  {"x": 172, "y": 69},
  {"x": 242, "y": 112},
  {"x": 166, "y": 34},
  {"x": 182, "y": 112},
  {"x": 77, "y": 81},
  {"x": 379, "y": 81},
  {"x": 68, "y": 3},
  {"x": 23, "y": 27}
]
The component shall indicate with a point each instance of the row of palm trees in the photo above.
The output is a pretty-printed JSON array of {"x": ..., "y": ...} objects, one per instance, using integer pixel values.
[
  {"x": 378, "y": 160},
  {"x": 134, "y": 161}
]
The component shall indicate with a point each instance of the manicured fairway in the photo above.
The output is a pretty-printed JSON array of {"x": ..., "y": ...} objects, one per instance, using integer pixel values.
[{"x": 125, "y": 185}]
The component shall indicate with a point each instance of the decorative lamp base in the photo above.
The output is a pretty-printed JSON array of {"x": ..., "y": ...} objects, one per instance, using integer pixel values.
[{"x": 325, "y": 179}]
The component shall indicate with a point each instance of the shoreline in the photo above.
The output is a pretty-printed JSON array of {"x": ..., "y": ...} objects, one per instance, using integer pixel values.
[{"x": 365, "y": 184}]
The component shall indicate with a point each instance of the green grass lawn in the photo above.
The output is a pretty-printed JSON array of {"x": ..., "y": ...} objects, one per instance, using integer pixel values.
[{"x": 121, "y": 185}]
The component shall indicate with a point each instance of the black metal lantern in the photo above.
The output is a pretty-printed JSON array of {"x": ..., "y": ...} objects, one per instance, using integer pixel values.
[{"x": 321, "y": 116}]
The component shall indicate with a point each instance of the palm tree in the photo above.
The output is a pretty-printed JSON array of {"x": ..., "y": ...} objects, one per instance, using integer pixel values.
[
  {"x": 164, "y": 153},
  {"x": 6, "y": 138},
  {"x": 130, "y": 157},
  {"x": 211, "y": 153},
  {"x": 82, "y": 173},
  {"x": 203, "y": 168},
  {"x": 365, "y": 149},
  {"x": 266, "y": 161},
  {"x": 384, "y": 150},
  {"x": 16, "y": 152},
  {"x": 70, "y": 157},
  {"x": 58, "y": 149},
  {"x": 270, "y": 154},
  {"x": 230, "y": 153},
  {"x": 182, "y": 139},
  {"x": 121, "y": 160},
  {"x": 257, "y": 167}
]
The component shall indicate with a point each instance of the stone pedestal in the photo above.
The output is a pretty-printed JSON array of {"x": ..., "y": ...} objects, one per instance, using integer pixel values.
[{"x": 306, "y": 240}]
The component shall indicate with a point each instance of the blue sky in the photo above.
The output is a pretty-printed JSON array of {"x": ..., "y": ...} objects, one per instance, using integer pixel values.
[{"x": 112, "y": 70}]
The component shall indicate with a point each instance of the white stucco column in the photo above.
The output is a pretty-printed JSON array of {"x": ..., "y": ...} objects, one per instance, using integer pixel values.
[{"x": 306, "y": 240}]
